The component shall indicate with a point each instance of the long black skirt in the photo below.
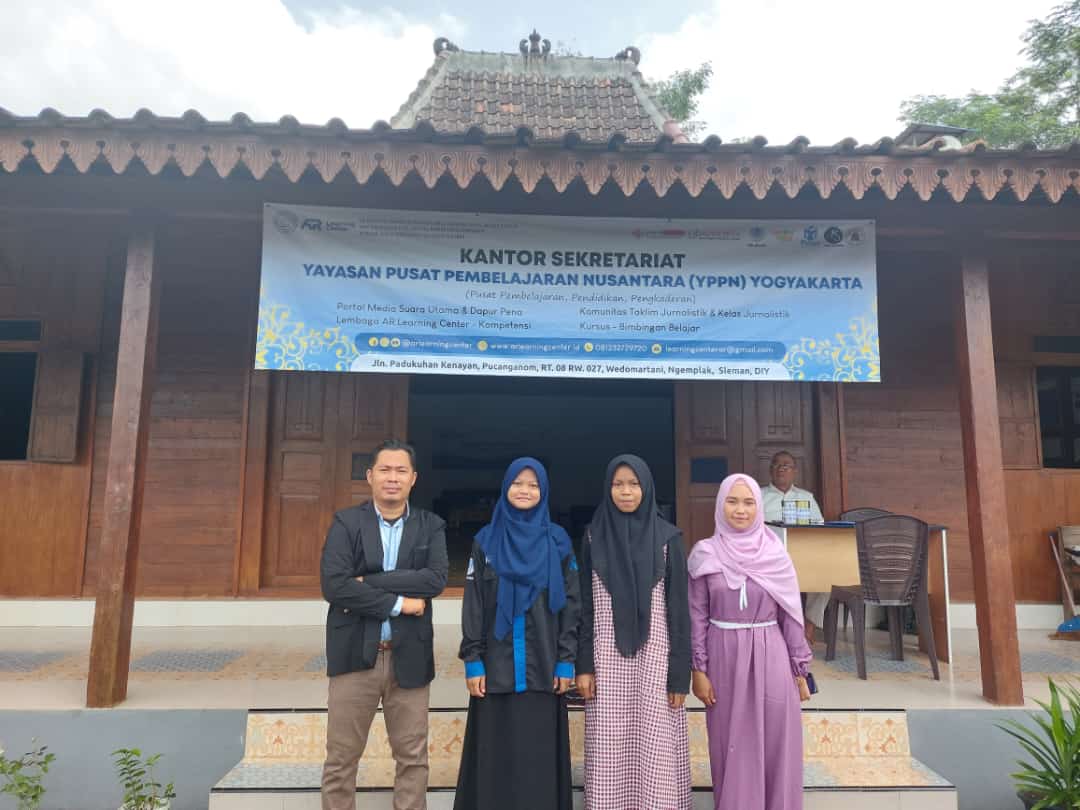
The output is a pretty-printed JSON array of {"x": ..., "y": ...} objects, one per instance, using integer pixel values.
[{"x": 516, "y": 754}]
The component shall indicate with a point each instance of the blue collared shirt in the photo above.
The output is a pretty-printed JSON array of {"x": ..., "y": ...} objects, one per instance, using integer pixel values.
[{"x": 391, "y": 542}]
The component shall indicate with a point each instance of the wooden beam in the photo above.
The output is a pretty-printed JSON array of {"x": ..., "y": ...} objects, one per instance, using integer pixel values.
[
  {"x": 253, "y": 483},
  {"x": 125, "y": 475},
  {"x": 988, "y": 524},
  {"x": 830, "y": 430}
]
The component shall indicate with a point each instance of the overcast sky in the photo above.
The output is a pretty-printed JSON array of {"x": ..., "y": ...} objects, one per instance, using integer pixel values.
[{"x": 826, "y": 69}]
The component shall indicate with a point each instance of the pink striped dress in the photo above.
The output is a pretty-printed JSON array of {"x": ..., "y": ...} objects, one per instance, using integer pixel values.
[{"x": 637, "y": 752}]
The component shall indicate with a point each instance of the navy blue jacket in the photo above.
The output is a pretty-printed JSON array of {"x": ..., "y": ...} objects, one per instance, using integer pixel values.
[{"x": 540, "y": 646}]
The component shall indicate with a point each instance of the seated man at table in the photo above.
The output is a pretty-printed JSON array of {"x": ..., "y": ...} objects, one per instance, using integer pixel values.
[{"x": 782, "y": 472}]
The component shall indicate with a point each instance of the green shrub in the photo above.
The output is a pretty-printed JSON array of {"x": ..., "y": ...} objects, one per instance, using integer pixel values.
[
  {"x": 141, "y": 791},
  {"x": 24, "y": 777}
]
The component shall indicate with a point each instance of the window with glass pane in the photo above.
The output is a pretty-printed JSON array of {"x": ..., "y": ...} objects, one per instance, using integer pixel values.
[
  {"x": 17, "y": 371},
  {"x": 1059, "y": 416}
]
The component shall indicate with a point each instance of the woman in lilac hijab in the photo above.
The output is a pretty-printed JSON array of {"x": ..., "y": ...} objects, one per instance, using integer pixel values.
[{"x": 748, "y": 646}]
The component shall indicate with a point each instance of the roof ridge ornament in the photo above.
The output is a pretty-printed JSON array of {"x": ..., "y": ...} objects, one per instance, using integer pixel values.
[
  {"x": 534, "y": 47},
  {"x": 443, "y": 45},
  {"x": 631, "y": 53}
]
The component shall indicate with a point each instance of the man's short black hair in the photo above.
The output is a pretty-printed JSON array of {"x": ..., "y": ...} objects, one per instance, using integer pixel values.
[{"x": 393, "y": 444}]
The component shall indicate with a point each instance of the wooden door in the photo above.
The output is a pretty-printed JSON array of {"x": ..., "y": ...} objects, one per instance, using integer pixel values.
[
  {"x": 779, "y": 416},
  {"x": 371, "y": 409},
  {"x": 323, "y": 427},
  {"x": 708, "y": 446},
  {"x": 727, "y": 427}
]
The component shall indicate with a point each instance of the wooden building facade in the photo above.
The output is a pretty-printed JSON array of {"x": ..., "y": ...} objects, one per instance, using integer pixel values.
[{"x": 158, "y": 463}]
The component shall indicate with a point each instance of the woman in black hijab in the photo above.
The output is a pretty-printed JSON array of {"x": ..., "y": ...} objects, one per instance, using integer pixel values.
[{"x": 633, "y": 660}]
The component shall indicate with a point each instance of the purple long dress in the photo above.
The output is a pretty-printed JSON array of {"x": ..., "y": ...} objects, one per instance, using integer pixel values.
[{"x": 755, "y": 727}]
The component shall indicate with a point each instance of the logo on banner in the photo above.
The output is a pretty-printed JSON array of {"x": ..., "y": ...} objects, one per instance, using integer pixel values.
[
  {"x": 286, "y": 221},
  {"x": 855, "y": 236},
  {"x": 663, "y": 233},
  {"x": 834, "y": 235},
  {"x": 719, "y": 234},
  {"x": 757, "y": 236},
  {"x": 312, "y": 224},
  {"x": 809, "y": 235}
]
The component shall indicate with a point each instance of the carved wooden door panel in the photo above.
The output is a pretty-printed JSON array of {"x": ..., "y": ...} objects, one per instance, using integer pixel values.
[
  {"x": 372, "y": 408},
  {"x": 301, "y": 477},
  {"x": 323, "y": 428},
  {"x": 727, "y": 427},
  {"x": 708, "y": 446},
  {"x": 779, "y": 416}
]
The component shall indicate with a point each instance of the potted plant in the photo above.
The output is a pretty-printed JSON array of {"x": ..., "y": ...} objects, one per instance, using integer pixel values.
[
  {"x": 1049, "y": 779},
  {"x": 23, "y": 777},
  {"x": 141, "y": 791}
]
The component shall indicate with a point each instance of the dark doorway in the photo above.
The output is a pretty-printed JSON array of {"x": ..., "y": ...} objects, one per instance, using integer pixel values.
[
  {"x": 17, "y": 371},
  {"x": 468, "y": 429}
]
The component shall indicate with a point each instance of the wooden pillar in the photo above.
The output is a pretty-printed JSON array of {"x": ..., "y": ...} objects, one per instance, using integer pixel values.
[
  {"x": 110, "y": 645},
  {"x": 253, "y": 484},
  {"x": 988, "y": 525},
  {"x": 830, "y": 425}
]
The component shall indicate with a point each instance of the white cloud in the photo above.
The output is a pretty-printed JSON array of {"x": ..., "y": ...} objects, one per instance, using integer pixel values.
[
  {"x": 216, "y": 56},
  {"x": 831, "y": 69}
]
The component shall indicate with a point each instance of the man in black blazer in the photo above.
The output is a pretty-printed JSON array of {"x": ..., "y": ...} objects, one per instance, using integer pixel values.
[{"x": 381, "y": 565}]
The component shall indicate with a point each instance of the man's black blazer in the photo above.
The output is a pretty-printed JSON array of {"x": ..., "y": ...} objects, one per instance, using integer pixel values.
[{"x": 358, "y": 609}]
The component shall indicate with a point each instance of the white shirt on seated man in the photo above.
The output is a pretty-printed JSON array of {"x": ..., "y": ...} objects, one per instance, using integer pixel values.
[{"x": 783, "y": 470}]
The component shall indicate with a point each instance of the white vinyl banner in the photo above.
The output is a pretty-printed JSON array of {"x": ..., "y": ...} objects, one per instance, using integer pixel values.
[{"x": 442, "y": 293}]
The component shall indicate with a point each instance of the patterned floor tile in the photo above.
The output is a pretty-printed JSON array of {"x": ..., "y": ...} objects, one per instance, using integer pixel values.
[
  {"x": 1041, "y": 661},
  {"x": 817, "y": 775},
  {"x": 883, "y": 734},
  {"x": 878, "y": 663},
  {"x": 831, "y": 734},
  {"x": 272, "y": 776},
  {"x": 27, "y": 660},
  {"x": 869, "y": 772},
  {"x": 245, "y": 656},
  {"x": 186, "y": 661}
]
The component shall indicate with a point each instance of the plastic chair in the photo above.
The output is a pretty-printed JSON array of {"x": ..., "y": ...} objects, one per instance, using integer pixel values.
[
  {"x": 893, "y": 557},
  {"x": 855, "y": 516},
  {"x": 1068, "y": 537},
  {"x": 863, "y": 513}
]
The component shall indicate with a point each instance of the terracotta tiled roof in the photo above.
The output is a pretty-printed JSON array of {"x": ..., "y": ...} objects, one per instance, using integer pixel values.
[
  {"x": 550, "y": 95},
  {"x": 191, "y": 143}
]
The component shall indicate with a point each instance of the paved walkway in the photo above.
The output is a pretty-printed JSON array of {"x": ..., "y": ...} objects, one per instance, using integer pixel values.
[{"x": 244, "y": 667}]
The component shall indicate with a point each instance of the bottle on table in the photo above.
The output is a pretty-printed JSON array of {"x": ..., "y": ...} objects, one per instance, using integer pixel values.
[
  {"x": 802, "y": 512},
  {"x": 790, "y": 513}
]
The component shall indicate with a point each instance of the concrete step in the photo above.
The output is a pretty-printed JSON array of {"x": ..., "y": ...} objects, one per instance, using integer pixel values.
[
  {"x": 852, "y": 760},
  {"x": 703, "y": 800}
]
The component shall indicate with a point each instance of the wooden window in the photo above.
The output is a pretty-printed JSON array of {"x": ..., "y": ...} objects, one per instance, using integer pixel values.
[
  {"x": 1059, "y": 416},
  {"x": 17, "y": 373},
  {"x": 54, "y": 434}
]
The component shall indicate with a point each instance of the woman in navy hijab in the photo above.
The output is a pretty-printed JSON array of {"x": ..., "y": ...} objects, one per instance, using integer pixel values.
[{"x": 519, "y": 626}]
